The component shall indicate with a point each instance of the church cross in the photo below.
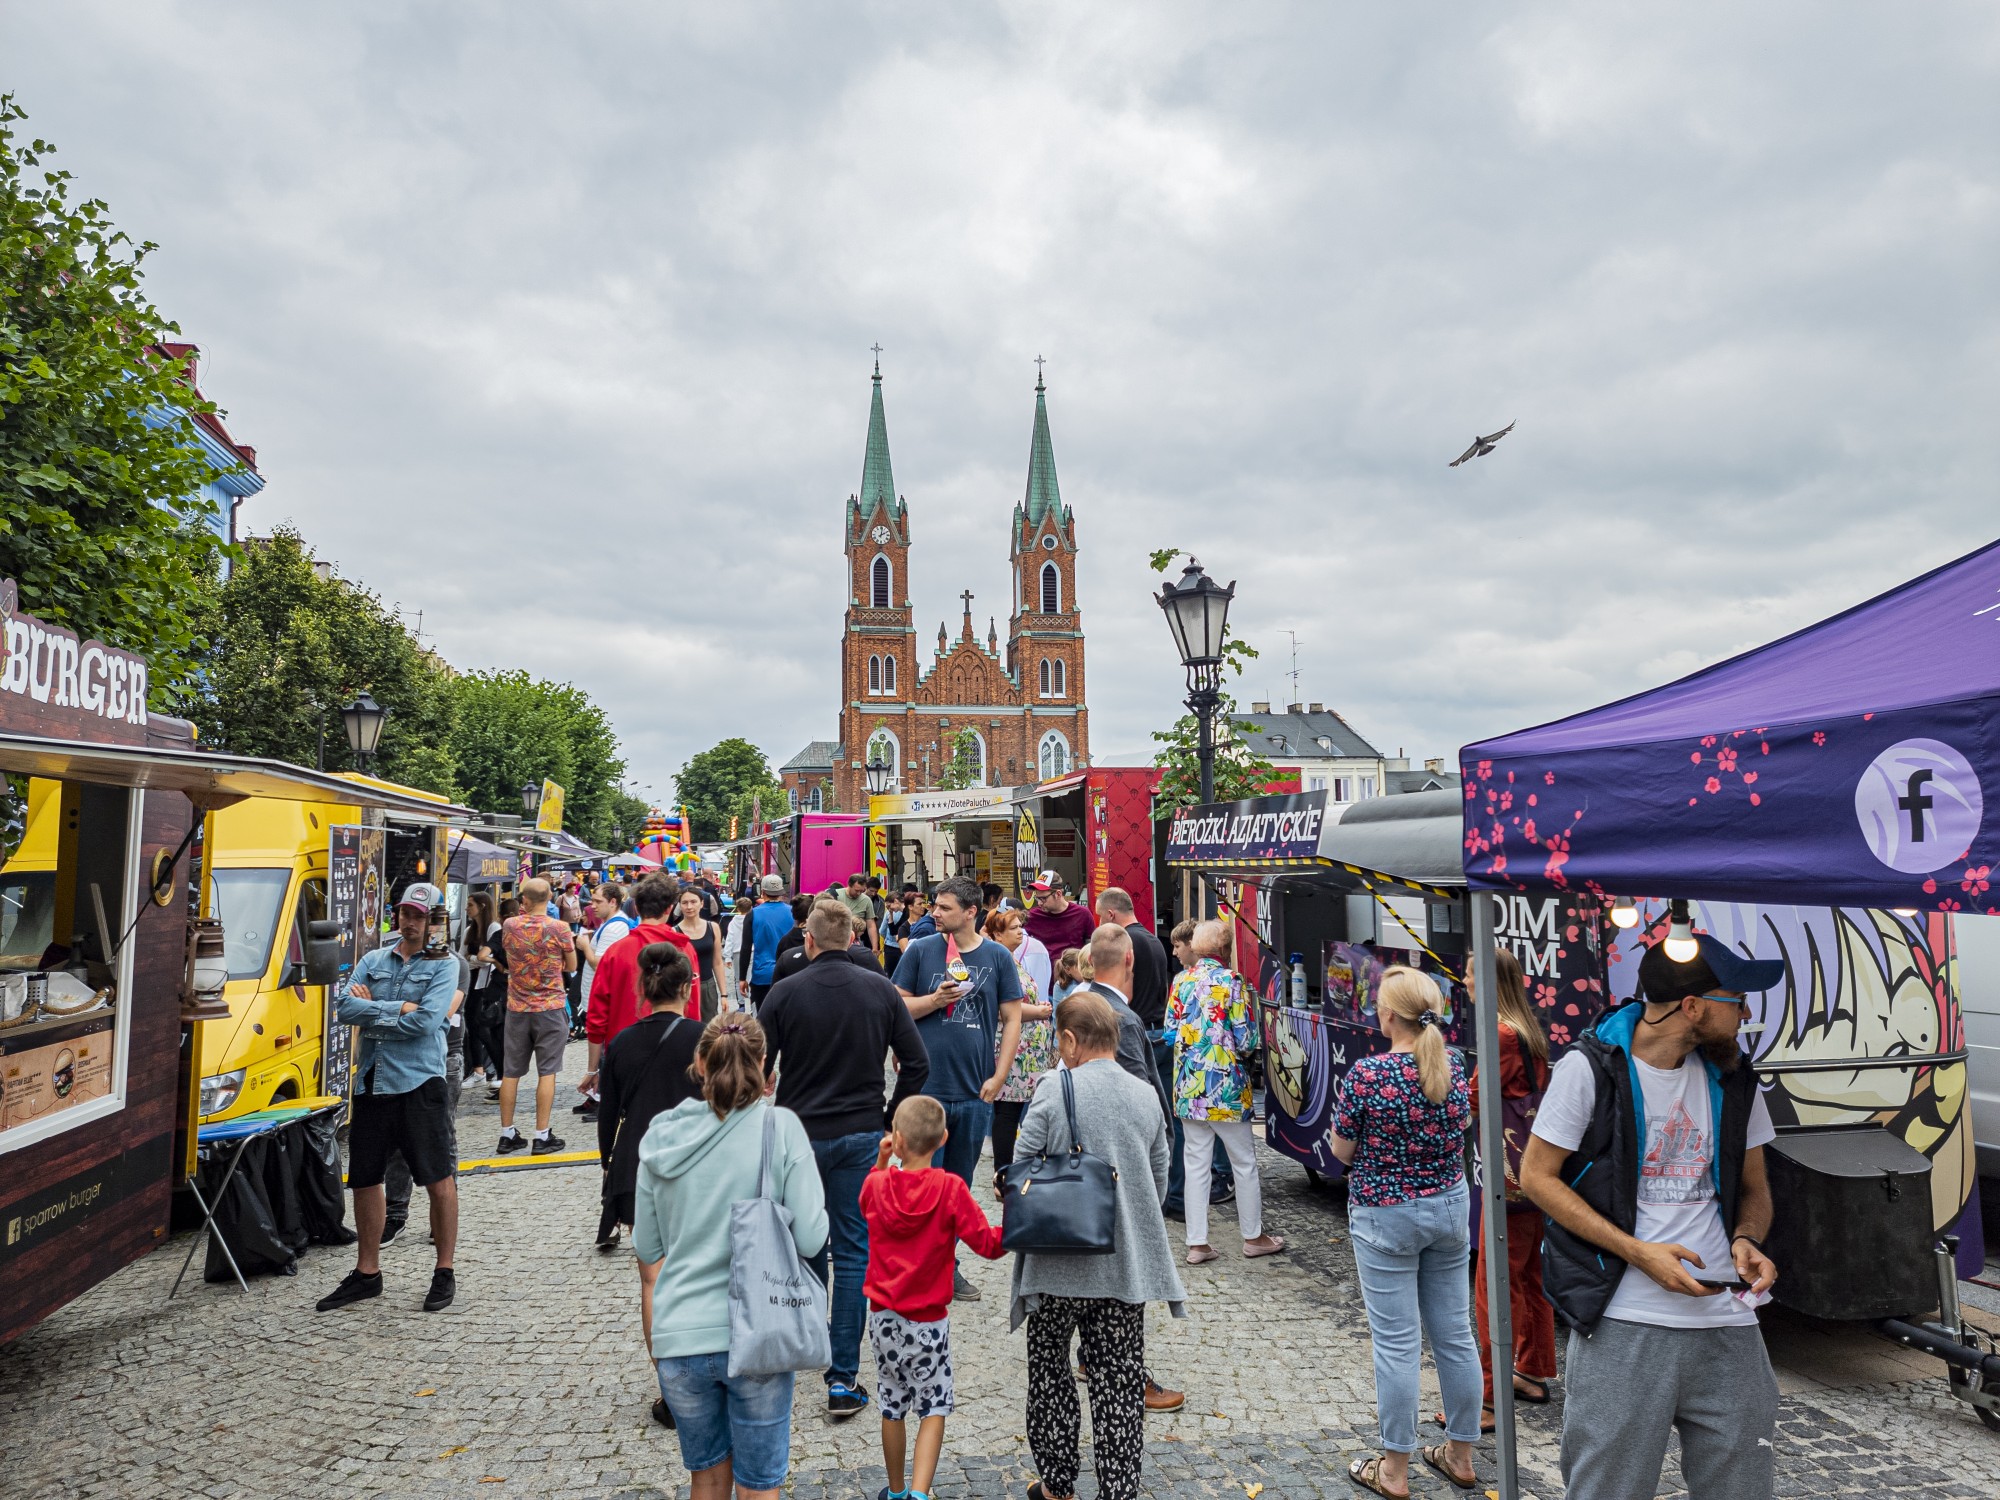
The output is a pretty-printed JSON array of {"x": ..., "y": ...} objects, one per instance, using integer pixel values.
[
  {"x": 967, "y": 597},
  {"x": 1039, "y": 362},
  {"x": 878, "y": 351}
]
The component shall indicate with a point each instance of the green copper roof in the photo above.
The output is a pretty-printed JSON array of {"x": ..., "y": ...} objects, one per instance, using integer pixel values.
[
  {"x": 878, "y": 485},
  {"x": 1044, "y": 498}
]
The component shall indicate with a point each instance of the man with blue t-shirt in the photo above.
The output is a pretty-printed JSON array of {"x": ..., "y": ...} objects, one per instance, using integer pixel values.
[
  {"x": 770, "y": 919},
  {"x": 971, "y": 1026}
]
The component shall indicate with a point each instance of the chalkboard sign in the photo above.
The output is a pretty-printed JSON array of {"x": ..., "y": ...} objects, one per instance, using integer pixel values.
[{"x": 357, "y": 877}]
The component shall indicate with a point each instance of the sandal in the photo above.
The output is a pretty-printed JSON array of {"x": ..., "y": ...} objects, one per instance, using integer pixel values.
[
  {"x": 1434, "y": 1458},
  {"x": 1538, "y": 1383},
  {"x": 1201, "y": 1255},
  {"x": 1367, "y": 1472},
  {"x": 1276, "y": 1247}
]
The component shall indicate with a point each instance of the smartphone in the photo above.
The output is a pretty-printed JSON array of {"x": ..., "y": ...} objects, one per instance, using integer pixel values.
[{"x": 1722, "y": 1286}]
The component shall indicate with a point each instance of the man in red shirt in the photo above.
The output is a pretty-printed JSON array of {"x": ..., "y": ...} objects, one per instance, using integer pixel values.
[
  {"x": 615, "y": 1002},
  {"x": 1056, "y": 921}
]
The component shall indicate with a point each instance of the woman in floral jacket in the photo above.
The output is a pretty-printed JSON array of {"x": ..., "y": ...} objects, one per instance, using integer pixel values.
[
  {"x": 1037, "y": 1053},
  {"x": 1214, "y": 1027}
]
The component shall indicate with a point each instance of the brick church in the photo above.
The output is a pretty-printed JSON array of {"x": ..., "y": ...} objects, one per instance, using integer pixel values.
[{"x": 1023, "y": 704}]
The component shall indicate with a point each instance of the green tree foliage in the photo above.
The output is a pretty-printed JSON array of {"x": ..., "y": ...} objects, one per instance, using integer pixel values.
[
  {"x": 283, "y": 648},
  {"x": 963, "y": 769},
  {"x": 721, "y": 781},
  {"x": 102, "y": 519},
  {"x": 509, "y": 729},
  {"x": 1239, "y": 770},
  {"x": 628, "y": 815}
]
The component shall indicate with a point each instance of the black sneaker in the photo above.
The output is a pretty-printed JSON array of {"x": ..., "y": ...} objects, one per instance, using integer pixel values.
[
  {"x": 544, "y": 1144},
  {"x": 961, "y": 1289},
  {"x": 609, "y": 1243},
  {"x": 585, "y": 1107},
  {"x": 1223, "y": 1195},
  {"x": 354, "y": 1287},
  {"x": 844, "y": 1401},
  {"x": 663, "y": 1413},
  {"x": 510, "y": 1143},
  {"x": 444, "y": 1287},
  {"x": 391, "y": 1228}
]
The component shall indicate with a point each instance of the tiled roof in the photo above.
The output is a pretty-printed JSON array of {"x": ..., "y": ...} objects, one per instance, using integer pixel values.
[
  {"x": 1273, "y": 735},
  {"x": 818, "y": 756}
]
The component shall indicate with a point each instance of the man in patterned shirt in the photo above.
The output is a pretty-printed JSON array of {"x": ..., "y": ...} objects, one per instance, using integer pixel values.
[
  {"x": 540, "y": 953},
  {"x": 1214, "y": 1026}
]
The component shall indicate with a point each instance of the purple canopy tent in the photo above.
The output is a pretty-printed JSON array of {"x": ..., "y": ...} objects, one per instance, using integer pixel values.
[{"x": 1844, "y": 765}]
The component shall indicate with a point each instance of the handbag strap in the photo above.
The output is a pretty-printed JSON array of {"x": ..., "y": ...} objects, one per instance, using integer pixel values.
[
  {"x": 764, "y": 1162},
  {"x": 1069, "y": 1106}
]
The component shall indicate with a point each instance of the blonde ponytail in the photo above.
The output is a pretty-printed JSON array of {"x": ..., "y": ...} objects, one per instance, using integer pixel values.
[{"x": 1412, "y": 996}]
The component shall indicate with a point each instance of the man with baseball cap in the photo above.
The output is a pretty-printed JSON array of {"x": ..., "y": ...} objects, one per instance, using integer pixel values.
[
  {"x": 400, "y": 997},
  {"x": 1648, "y": 1158},
  {"x": 1056, "y": 921},
  {"x": 770, "y": 919}
]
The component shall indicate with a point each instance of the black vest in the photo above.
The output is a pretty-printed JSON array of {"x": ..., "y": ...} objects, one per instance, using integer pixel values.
[{"x": 1604, "y": 1171}]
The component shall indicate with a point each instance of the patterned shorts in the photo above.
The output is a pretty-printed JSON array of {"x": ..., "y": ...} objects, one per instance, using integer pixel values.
[{"x": 912, "y": 1366}]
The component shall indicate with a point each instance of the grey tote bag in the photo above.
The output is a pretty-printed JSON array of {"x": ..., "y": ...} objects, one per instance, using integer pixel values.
[{"x": 777, "y": 1308}]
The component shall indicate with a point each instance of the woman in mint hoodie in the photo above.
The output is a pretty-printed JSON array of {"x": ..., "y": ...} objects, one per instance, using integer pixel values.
[{"x": 695, "y": 1161}]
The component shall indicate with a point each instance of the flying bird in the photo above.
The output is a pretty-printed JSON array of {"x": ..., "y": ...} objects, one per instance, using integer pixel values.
[{"x": 1481, "y": 446}]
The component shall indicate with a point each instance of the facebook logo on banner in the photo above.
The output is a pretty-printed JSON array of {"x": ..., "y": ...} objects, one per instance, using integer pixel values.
[{"x": 1919, "y": 806}]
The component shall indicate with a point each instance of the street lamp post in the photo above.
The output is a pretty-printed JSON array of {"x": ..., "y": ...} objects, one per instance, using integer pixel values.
[
  {"x": 531, "y": 799},
  {"x": 1197, "y": 611},
  {"x": 363, "y": 721},
  {"x": 878, "y": 775}
]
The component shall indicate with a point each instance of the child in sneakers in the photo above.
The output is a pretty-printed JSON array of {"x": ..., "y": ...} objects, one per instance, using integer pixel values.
[{"x": 916, "y": 1217}]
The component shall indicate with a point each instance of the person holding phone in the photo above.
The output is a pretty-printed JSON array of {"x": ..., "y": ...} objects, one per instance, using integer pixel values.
[{"x": 1647, "y": 1238}]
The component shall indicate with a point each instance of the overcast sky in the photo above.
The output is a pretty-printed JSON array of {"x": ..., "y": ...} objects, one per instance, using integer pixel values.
[{"x": 547, "y": 318}]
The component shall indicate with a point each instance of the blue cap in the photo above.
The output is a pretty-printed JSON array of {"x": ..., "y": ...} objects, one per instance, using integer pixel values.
[
  {"x": 1735, "y": 972},
  {"x": 1715, "y": 966}
]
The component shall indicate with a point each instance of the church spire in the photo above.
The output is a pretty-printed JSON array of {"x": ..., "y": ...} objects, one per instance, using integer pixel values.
[
  {"x": 1043, "y": 497},
  {"x": 878, "y": 485}
]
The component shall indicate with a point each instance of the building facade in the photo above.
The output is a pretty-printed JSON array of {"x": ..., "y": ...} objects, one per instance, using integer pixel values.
[
  {"x": 1332, "y": 756},
  {"x": 1001, "y": 714},
  {"x": 235, "y": 477}
]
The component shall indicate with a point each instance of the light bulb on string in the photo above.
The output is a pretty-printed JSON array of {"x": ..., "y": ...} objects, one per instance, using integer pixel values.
[
  {"x": 1680, "y": 945},
  {"x": 1624, "y": 913}
]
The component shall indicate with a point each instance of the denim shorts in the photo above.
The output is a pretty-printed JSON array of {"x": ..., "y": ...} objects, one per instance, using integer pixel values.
[{"x": 748, "y": 1419}]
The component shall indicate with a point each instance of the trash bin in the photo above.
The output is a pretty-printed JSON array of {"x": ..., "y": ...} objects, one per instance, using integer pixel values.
[{"x": 1851, "y": 1228}]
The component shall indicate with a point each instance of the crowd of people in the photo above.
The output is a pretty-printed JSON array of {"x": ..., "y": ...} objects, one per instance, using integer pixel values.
[{"x": 853, "y": 1057}]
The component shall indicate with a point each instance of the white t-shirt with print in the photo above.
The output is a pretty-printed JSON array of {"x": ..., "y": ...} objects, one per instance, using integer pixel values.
[{"x": 1677, "y": 1200}]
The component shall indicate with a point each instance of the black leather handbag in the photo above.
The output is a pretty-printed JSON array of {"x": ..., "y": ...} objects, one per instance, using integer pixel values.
[{"x": 1065, "y": 1204}]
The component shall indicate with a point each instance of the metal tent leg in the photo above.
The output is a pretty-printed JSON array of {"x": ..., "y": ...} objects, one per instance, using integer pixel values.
[{"x": 1493, "y": 1190}]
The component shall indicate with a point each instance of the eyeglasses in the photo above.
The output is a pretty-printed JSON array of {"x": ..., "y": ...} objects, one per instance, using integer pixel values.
[{"x": 1741, "y": 1002}]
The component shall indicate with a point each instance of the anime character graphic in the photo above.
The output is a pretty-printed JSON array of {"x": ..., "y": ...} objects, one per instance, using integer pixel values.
[{"x": 1860, "y": 985}]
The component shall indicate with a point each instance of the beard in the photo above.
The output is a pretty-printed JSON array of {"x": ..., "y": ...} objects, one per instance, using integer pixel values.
[{"x": 1725, "y": 1052}]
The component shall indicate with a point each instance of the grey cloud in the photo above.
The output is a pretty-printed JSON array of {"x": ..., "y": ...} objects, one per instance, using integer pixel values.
[{"x": 562, "y": 316}]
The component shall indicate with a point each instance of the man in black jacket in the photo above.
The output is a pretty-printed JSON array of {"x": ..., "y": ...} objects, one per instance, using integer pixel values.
[
  {"x": 827, "y": 1031},
  {"x": 1647, "y": 1235}
]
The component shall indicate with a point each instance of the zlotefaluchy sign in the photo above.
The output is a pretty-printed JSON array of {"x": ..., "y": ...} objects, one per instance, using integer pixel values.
[
  {"x": 50, "y": 665},
  {"x": 1282, "y": 827}
]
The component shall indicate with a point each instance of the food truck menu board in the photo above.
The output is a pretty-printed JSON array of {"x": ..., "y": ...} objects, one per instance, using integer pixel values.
[
  {"x": 45, "y": 1069},
  {"x": 357, "y": 881}
]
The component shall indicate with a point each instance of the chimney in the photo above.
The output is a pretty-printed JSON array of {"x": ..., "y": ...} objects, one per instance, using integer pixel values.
[
  {"x": 1295, "y": 708},
  {"x": 1317, "y": 707},
  {"x": 1259, "y": 708},
  {"x": 1435, "y": 765}
]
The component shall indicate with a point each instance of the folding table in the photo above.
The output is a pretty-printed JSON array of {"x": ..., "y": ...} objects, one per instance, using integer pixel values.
[{"x": 240, "y": 1132}]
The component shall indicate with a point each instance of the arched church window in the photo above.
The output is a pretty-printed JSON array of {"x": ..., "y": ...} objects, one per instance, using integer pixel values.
[
  {"x": 874, "y": 674},
  {"x": 888, "y": 674},
  {"x": 1048, "y": 680},
  {"x": 1051, "y": 589},
  {"x": 881, "y": 586},
  {"x": 1062, "y": 686},
  {"x": 883, "y": 746},
  {"x": 1054, "y": 756}
]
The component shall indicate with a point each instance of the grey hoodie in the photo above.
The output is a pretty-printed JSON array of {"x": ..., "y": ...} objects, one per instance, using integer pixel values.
[{"x": 692, "y": 1167}]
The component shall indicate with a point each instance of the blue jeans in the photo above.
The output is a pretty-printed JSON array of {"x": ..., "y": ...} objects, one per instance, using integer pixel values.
[
  {"x": 747, "y": 1420},
  {"x": 968, "y": 1120},
  {"x": 843, "y": 1162},
  {"x": 1222, "y": 1175},
  {"x": 1414, "y": 1264}
]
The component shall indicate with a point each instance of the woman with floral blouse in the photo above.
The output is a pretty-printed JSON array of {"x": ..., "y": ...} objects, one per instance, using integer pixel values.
[
  {"x": 1400, "y": 1127},
  {"x": 1214, "y": 1027},
  {"x": 1037, "y": 1052}
]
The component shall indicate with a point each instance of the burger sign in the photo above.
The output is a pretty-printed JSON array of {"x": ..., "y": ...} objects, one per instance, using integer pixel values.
[{"x": 49, "y": 665}]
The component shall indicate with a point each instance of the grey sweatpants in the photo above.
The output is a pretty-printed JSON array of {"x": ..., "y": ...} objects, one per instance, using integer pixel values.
[{"x": 1629, "y": 1384}]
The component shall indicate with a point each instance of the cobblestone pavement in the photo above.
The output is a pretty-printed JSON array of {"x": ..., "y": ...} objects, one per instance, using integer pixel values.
[{"x": 535, "y": 1383}]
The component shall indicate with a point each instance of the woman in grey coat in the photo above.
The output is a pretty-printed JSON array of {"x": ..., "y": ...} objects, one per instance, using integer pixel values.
[{"x": 1103, "y": 1297}]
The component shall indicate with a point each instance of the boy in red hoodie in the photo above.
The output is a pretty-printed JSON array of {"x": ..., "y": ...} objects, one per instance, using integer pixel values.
[{"x": 916, "y": 1217}]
